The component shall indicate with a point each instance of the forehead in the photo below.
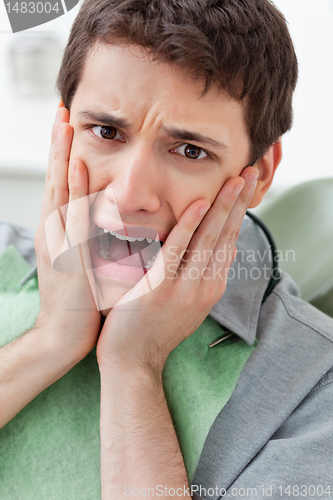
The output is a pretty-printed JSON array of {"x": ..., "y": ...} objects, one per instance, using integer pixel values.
[{"x": 126, "y": 80}]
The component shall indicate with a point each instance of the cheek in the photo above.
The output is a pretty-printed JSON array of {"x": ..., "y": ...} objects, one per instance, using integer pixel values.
[
  {"x": 193, "y": 188},
  {"x": 215, "y": 186},
  {"x": 96, "y": 165}
]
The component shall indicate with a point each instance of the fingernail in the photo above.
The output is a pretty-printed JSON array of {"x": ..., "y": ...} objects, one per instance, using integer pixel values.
[
  {"x": 238, "y": 188},
  {"x": 253, "y": 177},
  {"x": 203, "y": 209},
  {"x": 72, "y": 168}
]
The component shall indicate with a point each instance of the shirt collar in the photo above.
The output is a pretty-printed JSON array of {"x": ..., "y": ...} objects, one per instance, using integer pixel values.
[{"x": 239, "y": 308}]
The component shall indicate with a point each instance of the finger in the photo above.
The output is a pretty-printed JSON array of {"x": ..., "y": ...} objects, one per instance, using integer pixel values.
[
  {"x": 62, "y": 115},
  {"x": 55, "y": 195},
  {"x": 180, "y": 236},
  {"x": 54, "y": 176},
  {"x": 223, "y": 253},
  {"x": 77, "y": 223},
  {"x": 205, "y": 238},
  {"x": 56, "y": 189},
  {"x": 218, "y": 267},
  {"x": 67, "y": 229},
  {"x": 232, "y": 226},
  {"x": 54, "y": 226},
  {"x": 60, "y": 161}
]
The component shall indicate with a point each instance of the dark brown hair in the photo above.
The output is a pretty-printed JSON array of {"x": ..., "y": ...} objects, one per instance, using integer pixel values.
[{"x": 242, "y": 46}]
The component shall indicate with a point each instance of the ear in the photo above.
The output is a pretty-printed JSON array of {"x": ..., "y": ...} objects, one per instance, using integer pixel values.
[
  {"x": 267, "y": 167},
  {"x": 61, "y": 104}
]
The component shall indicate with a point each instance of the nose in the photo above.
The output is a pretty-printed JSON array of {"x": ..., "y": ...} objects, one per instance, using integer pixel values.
[{"x": 135, "y": 183}]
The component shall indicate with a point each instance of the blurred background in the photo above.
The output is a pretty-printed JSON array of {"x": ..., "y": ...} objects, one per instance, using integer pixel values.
[{"x": 29, "y": 63}]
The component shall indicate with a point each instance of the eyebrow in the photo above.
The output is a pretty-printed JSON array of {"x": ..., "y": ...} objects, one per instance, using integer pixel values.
[
  {"x": 188, "y": 135},
  {"x": 179, "y": 134},
  {"x": 106, "y": 119}
]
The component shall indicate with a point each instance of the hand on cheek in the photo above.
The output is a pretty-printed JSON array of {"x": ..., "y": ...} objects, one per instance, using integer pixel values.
[
  {"x": 67, "y": 303},
  {"x": 143, "y": 328}
]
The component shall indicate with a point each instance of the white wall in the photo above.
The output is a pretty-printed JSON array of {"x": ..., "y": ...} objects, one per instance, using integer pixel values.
[
  {"x": 25, "y": 129},
  {"x": 25, "y": 123},
  {"x": 308, "y": 148}
]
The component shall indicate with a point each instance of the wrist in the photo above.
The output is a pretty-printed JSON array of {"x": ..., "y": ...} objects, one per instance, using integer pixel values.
[
  {"x": 29, "y": 365},
  {"x": 122, "y": 374},
  {"x": 59, "y": 342},
  {"x": 130, "y": 361},
  {"x": 52, "y": 345}
]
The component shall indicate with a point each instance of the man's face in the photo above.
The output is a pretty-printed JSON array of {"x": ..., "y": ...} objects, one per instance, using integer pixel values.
[{"x": 152, "y": 147}]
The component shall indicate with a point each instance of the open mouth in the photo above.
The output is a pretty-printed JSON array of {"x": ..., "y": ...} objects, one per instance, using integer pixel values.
[{"x": 129, "y": 250}]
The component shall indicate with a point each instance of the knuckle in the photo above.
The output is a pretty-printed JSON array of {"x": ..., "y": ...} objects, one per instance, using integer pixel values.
[
  {"x": 188, "y": 228},
  {"x": 51, "y": 195},
  {"x": 175, "y": 250},
  {"x": 44, "y": 258},
  {"x": 42, "y": 253},
  {"x": 56, "y": 196},
  {"x": 63, "y": 192},
  {"x": 226, "y": 208},
  {"x": 233, "y": 236},
  {"x": 211, "y": 240},
  {"x": 48, "y": 176},
  {"x": 244, "y": 198}
]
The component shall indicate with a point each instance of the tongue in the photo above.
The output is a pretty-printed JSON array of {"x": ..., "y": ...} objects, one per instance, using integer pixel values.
[{"x": 135, "y": 253}]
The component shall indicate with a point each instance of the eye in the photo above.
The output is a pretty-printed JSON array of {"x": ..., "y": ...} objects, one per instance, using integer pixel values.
[
  {"x": 191, "y": 151},
  {"x": 106, "y": 132}
]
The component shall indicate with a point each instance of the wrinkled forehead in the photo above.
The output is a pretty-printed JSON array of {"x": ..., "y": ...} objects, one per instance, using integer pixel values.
[{"x": 126, "y": 80}]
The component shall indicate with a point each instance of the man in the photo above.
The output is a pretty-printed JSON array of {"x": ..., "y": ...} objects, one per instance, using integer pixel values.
[{"x": 170, "y": 121}]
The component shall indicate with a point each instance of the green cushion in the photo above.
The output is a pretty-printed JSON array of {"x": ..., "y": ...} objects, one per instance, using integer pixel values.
[{"x": 301, "y": 222}]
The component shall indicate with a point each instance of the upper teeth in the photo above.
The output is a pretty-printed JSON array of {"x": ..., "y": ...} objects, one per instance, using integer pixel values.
[{"x": 128, "y": 238}]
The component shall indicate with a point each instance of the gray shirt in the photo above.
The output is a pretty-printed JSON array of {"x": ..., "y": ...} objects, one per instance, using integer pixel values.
[{"x": 274, "y": 437}]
